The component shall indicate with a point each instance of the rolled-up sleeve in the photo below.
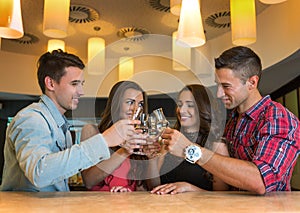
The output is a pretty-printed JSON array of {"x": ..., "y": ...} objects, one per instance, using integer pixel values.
[{"x": 277, "y": 152}]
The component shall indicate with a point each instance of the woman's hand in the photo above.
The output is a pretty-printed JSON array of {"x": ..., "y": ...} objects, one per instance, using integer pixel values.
[
  {"x": 153, "y": 147},
  {"x": 174, "y": 188},
  {"x": 120, "y": 189}
]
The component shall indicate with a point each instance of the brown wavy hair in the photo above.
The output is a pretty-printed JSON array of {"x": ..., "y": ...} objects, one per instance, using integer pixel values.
[
  {"x": 111, "y": 115},
  {"x": 209, "y": 113}
]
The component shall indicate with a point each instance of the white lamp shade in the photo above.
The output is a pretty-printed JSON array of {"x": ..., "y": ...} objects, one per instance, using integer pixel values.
[
  {"x": 11, "y": 24},
  {"x": 272, "y": 1},
  {"x": 126, "y": 68},
  {"x": 56, "y": 18},
  {"x": 96, "y": 55},
  {"x": 243, "y": 21},
  {"x": 55, "y": 44},
  {"x": 181, "y": 55},
  {"x": 190, "y": 29},
  {"x": 175, "y": 7}
]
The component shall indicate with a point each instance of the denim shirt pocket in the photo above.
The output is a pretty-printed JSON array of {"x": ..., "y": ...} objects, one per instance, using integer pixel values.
[{"x": 60, "y": 140}]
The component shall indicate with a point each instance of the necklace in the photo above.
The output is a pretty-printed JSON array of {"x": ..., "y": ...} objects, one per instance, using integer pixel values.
[{"x": 192, "y": 136}]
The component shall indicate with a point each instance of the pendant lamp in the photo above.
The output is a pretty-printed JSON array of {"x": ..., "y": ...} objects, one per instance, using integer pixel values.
[
  {"x": 181, "y": 55},
  {"x": 126, "y": 68},
  {"x": 243, "y": 21},
  {"x": 96, "y": 55},
  {"x": 56, "y": 18},
  {"x": 55, "y": 44},
  {"x": 11, "y": 24},
  {"x": 190, "y": 29}
]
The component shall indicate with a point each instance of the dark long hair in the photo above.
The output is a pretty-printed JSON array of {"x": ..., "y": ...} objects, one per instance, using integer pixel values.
[
  {"x": 111, "y": 114},
  {"x": 208, "y": 111}
]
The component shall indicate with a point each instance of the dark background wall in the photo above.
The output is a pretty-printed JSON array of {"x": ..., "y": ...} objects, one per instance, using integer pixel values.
[
  {"x": 87, "y": 108},
  {"x": 93, "y": 107}
]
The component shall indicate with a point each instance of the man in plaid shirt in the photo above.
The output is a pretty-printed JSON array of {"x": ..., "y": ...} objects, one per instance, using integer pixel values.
[{"x": 263, "y": 137}]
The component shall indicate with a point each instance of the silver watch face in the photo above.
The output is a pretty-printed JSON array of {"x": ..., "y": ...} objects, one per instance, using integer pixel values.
[{"x": 192, "y": 153}]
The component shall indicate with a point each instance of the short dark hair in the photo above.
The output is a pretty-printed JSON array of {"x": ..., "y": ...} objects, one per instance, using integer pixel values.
[
  {"x": 53, "y": 65},
  {"x": 243, "y": 61}
]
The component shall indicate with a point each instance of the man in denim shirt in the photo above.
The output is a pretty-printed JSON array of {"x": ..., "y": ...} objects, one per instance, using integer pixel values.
[{"x": 38, "y": 151}]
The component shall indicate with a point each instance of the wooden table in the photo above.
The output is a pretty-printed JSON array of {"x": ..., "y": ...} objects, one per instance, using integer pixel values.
[{"x": 90, "y": 202}]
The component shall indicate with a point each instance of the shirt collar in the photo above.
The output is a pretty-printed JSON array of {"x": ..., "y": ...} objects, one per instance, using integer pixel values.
[
  {"x": 259, "y": 108},
  {"x": 59, "y": 118},
  {"x": 254, "y": 111}
]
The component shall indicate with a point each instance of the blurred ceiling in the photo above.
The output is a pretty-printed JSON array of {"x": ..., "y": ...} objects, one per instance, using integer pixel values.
[{"x": 113, "y": 20}]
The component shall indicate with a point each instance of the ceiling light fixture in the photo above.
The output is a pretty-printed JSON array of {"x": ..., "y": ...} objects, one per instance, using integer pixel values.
[
  {"x": 56, "y": 18},
  {"x": 243, "y": 21},
  {"x": 96, "y": 56},
  {"x": 126, "y": 68},
  {"x": 190, "y": 29},
  {"x": 133, "y": 33},
  {"x": 11, "y": 24},
  {"x": 82, "y": 14},
  {"x": 55, "y": 44},
  {"x": 181, "y": 55}
]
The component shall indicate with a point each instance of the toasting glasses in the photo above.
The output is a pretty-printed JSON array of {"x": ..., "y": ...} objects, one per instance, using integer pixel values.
[{"x": 152, "y": 124}]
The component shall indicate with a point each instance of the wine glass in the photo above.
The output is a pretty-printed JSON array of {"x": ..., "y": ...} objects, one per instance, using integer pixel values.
[
  {"x": 143, "y": 117},
  {"x": 161, "y": 121},
  {"x": 157, "y": 122}
]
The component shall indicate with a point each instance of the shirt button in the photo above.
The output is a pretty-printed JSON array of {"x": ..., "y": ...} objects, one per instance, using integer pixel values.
[{"x": 280, "y": 150}]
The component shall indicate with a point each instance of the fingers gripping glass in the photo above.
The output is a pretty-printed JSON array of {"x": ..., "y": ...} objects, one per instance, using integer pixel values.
[{"x": 153, "y": 125}]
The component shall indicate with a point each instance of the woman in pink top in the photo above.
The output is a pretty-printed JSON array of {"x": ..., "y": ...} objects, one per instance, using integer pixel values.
[{"x": 124, "y": 171}]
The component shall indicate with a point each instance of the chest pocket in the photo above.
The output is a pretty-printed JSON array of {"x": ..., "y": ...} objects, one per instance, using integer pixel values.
[
  {"x": 247, "y": 145},
  {"x": 60, "y": 143}
]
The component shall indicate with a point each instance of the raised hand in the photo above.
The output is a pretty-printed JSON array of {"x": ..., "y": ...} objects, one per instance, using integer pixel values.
[
  {"x": 175, "y": 142},
  {"x": 120, "y": 131},
  {"x": 135, "y": 143}
]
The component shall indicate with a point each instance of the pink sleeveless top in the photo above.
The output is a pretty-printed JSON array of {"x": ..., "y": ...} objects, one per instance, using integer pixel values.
[{"x": 117, "y": 178}]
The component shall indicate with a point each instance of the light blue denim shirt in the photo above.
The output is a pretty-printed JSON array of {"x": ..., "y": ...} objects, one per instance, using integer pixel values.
[{"x": 37, "y": 154}]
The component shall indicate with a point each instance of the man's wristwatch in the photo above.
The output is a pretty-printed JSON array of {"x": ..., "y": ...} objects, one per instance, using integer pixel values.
[{"x": 192, "y": 153}]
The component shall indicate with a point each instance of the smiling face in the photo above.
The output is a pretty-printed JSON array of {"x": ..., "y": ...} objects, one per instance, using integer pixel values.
[
  {"x": 187, "y": 111},
  {"x": 67, "y": 92},
  {"x": 131, "y": 100},
  {"x": 232, "y": 90}
]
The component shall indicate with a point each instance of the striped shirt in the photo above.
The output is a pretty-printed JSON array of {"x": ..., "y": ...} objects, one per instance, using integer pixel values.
[{"x": 269, "y": 136}]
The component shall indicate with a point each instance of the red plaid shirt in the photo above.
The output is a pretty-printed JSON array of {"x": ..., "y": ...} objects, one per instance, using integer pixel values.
[{"x": 269, "y": 136}]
